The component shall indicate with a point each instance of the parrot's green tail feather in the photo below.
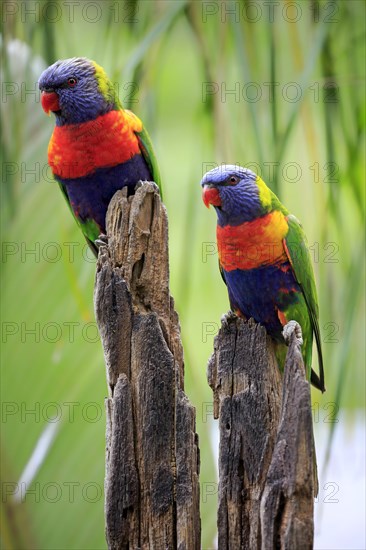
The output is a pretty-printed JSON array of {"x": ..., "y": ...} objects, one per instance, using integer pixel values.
[
  {"x": 315, "y": 380},
  {"x": 92, "y": 246},
  {"x": 281, "y": 352}
]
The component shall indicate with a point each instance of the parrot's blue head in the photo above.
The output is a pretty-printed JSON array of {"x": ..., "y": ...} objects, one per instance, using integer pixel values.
[
  {"x": 237, "y": 194},
  {"x": 76, "y": 90}
]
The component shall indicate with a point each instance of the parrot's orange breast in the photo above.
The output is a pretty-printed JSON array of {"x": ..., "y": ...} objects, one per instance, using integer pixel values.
[
  {"x": 253, "y": 244},
  {"x": 76, "y": 150}
]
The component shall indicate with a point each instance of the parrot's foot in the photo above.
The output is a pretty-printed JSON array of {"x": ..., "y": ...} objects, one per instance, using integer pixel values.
[
  {"x": 292, "y": 326},
  {"x": 102, "y": 240},
  {"x": 227, "y": 318}
]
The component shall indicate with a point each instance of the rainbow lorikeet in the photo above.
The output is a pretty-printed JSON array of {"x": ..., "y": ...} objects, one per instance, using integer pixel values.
[
  {"x": 97, "y": 147},
  {"x": 263, "y": 259}
]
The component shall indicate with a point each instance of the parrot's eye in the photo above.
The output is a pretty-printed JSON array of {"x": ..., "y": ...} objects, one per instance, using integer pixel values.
[
  {"x": 233, "y": 180},
  {"x": 72, "y": 81}
]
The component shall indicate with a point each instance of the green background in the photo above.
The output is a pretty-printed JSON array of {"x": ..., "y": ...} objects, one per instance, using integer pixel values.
[{"x": 275, "y": 86}]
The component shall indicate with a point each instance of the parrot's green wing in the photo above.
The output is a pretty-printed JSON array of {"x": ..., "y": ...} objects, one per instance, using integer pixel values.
[
  {"x": 149, "y": 156},
  {"x": 295, "y": 245},
  {"x": 90, "y": 230},
  {"x": 147, "y": 149}
]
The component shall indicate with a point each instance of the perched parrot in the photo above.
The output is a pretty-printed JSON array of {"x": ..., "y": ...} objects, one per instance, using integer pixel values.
[
  {"x": 97, "y": 147},
  {"x": 264, "y": 259}
]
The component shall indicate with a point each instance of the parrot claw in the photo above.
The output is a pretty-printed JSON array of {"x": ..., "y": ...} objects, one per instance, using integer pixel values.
[
  {"x": 227, "y": 318},
  {"x": 138, "y": 185},
  {"x": 292, "y": 326},
  {"x": 102, "y": 240},
  {"x": 141, "y": 183}
]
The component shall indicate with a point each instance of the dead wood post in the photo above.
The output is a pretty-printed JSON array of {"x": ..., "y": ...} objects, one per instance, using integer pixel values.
[
  {"x": 152, "y": 461},
  {"x": 266, "y": 457}
]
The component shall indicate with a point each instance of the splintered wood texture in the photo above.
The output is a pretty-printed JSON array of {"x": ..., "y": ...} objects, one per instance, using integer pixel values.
[
  {"x": 266, "y": 454},
  {"x": 152, "y": 460}
]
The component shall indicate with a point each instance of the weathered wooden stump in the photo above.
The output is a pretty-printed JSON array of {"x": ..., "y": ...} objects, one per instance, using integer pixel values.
[
  {"x": 267, "y": 472},
  {"x": 152, "y": 457}
]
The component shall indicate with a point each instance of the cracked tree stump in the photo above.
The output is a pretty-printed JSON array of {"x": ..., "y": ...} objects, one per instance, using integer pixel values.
[
  {"x": 152, "y": 456},
  {"x": 267, "y": 464}
]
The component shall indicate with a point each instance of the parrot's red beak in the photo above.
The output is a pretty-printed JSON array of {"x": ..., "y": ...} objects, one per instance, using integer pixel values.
[
  {"x": 211, "y": 195},
  {"x": 50, "y": 102}
]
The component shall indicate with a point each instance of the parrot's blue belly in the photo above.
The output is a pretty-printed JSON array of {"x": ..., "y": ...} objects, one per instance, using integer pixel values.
[
  {"x": 89, "y": 196},
  {"x": 262, "y": 293}
]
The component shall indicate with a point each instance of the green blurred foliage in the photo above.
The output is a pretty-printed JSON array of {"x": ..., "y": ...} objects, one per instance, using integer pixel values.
[{"x": 276, "y": 86}]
